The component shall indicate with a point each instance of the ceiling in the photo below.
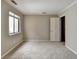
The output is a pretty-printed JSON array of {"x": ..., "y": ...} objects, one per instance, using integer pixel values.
[{"x": 40, "y": 7}]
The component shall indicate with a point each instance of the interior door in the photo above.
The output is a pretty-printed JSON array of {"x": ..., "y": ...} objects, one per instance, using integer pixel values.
[{"x": 52, "y": 29}]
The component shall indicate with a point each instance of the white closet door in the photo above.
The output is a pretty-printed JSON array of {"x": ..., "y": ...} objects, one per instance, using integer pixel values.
[{"x": 54, "y": 29}]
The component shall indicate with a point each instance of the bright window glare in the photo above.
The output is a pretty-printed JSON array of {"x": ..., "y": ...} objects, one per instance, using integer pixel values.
[
  {"x": 16, "y": 25},
  {"x": 10, "y": 24}
]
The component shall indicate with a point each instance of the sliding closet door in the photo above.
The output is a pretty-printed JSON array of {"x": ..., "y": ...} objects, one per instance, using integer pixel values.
[{"x": 54, "y": 29}]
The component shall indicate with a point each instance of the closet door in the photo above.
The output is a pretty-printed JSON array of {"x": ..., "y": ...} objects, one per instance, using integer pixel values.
[{"x": 54, "y": 29}]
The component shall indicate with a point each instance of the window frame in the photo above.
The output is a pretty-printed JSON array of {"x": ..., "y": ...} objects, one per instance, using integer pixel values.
[{"x": 19, "y": 24}]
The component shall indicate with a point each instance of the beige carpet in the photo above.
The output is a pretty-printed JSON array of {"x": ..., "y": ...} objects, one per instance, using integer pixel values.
[{"x": 41, "y": 50}]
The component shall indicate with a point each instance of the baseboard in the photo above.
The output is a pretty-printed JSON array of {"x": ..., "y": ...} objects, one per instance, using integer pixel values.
[
  {"x": 11, "y": 49},
  {"x": 71, "y": 50},
  {"x": 29, "y": 40},
  {"x": 35, "y": 40}
]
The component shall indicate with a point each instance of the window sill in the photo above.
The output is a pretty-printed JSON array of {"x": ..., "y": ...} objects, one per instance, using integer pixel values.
[{"x": 13, "y": 34}]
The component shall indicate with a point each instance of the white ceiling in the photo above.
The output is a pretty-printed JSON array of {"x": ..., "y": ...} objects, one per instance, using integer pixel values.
[{"x": 36, "y": 7}]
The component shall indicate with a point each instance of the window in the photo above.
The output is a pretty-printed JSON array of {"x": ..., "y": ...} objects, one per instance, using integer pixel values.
[{"x": 14, "y": 24}]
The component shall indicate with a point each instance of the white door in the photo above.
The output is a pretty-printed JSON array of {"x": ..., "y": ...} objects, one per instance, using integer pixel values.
[{"x": 54, "y": 29}]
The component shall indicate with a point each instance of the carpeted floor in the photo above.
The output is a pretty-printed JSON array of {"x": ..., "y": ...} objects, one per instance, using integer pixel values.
[{"x": 41, "y": 50}]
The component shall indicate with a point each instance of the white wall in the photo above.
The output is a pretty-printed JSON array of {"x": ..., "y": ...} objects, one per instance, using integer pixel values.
[
  {"x": 71, "y": 27},
  {"x": 37, "y": 28},
  {"x": 7, "y": 41}
]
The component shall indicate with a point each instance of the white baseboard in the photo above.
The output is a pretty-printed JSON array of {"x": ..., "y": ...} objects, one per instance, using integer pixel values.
[
  {"x": 28, "y": 40},
  {"x": 71, "y": 50},
  {"x": 11, "y": 49}
]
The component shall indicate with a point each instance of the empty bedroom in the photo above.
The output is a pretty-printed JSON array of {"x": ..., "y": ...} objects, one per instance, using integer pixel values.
[{"x": 38, "y": 29}]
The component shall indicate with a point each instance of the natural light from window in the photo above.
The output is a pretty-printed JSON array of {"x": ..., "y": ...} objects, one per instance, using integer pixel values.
[{"x": 14, "y": 23}]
